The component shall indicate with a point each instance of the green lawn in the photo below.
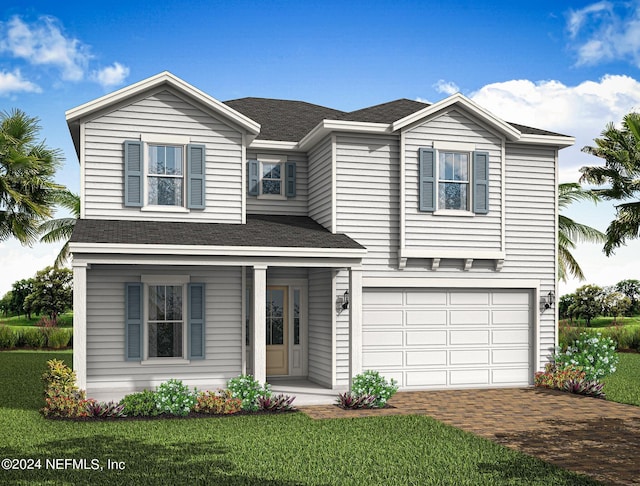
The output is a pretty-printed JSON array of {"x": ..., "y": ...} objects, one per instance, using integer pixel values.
[
  {"x": 624, "y": 385},
  {"x": 288, "y": 449},
  {"x": 607, "y": 321},
  {"x": 64, "y": 320}
]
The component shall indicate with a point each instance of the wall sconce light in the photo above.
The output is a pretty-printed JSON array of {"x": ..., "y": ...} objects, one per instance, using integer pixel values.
[
  {"x": 342, "y": 302},
  {"x": 548, "y": 300}
]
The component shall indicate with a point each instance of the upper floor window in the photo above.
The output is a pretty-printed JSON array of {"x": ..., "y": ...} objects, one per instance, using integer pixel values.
[
  {"x": 164, "y": 175},
  {"x": 272, "y": 177},
  {"x": 459, "y": 181}
]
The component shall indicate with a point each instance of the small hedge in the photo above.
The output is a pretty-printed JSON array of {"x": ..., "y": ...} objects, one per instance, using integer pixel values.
[
  {"x": 626, "y": 337},
  {"x": 35, "y": 337}
]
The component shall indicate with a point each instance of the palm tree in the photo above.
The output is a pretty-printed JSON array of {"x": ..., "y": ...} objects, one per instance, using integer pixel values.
[
  {"x": 620, "y": 148},
  {"x": 27, "y": 167},
  {"x": 570, "y": 232},
  {"x": 60, "y": 229}
]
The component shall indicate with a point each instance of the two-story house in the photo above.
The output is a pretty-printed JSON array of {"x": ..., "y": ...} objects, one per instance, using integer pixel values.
[{"x": 286, "y": 239}]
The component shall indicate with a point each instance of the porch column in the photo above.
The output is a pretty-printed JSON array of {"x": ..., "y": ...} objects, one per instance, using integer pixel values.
[
  {"x": 80, "y": 323},
  {"x": 259, "y": 331},
  {"x": 355, "y": 322}
]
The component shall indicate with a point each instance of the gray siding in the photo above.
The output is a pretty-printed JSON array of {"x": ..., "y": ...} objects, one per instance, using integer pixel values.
[
  {"x": 321, "y": 183},
  {"x": 293, "y": 205},
  {"x": 162, "y": 113},
  {"x": 320, "y": 327},
  {"x": 106, "y": 335},
  {"x": 429, "y": 231}
]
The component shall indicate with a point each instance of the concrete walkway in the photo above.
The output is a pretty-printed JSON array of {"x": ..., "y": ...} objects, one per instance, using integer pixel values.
[{"x": 586, "y": 435}]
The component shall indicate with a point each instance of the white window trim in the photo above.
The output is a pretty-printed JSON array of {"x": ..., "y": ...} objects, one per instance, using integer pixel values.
[
  {"x": 182, "y": 280},
  {"x": 173, "y": 141},
  {"x": 273, "y": 159},
  {"x": 461, "y": 148}
]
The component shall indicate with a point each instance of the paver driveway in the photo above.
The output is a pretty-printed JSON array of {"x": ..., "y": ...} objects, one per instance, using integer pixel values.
[{"x": 586, "y": 435}]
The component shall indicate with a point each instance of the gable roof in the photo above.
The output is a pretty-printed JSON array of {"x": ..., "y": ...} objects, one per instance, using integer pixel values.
[{"x": 385, "y": 112}]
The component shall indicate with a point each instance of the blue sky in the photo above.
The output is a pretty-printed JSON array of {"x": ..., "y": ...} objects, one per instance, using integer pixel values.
[{"x": 569, "y": 67}]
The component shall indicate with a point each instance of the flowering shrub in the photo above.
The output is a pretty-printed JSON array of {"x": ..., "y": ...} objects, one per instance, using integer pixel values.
[
  {"x": 217, "y": 403},
  {"x": 105, "y": 409},
  {"x": 350, "y": 400},
  {"x": 141, "y": 404},
  {"x": 595, "y": 355},
  {"x": 372, "y": 383},
  {"x": 64, "y": 402},
  {"x": 175, "y": 398},
  {"x": 278, "y": 403},
  {"x": 249, "y": 390},
  {"x": 590, "y": 388},
  {"x": 555, "y": 378}
]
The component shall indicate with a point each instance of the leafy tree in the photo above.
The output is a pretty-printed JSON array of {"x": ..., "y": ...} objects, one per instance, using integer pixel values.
[
  {"x": 570, "y": 231},
  {"x": 20, "y": 290},
  {"x": 27, "y": 167},
  {"x": 5, "y": 303},
  {"x": 620, "y": 149},
  {"x": 631, "y": 288},
  {"x": 60, "y": 229},
  {"x": 564, "y": 304},
  {"x": 615, "y": 304},
  {"x": 588, "y": 303},
  {"x": 52, "y": 292}
]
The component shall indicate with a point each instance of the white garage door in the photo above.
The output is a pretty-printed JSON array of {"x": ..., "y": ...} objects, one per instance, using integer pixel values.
[{"x": 433, "y": 338}]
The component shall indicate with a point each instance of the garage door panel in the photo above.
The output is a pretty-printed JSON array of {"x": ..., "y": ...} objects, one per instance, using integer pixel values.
[
  {"x": 469, "y": 357},
  {"x": 426, "y": 318},
  {"x": 426, "y": 338},
  {"x": 449, "y": 338},
  {"x": 382, "y": 338},
  {"x": 465, "y": 337},
  {"x": 383, "y": 318},
  {"x": 427, "y": 358},
  {"x": 469, "y": 317},
  {"x": 510, "y": 336}
]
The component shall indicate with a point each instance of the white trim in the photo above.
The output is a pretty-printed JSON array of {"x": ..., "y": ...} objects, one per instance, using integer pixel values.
[
  {"x": 334, "y": 182},
  {"x": 457, "y": 283},
  {"x": 243, "y": 318},
  {"x": 243, "y": 177},
  {"x": 503, "y": 197},
  {"x": 455, "y": 212},
  {"x": 165, "y": 361},
  {"x": 403, "y": 191},
  {"x": 273, "y": 145},
  {"x": 325, "y": 127},
  {"x": 168, "y": 139},
  {"x": 452, "y": 254},
  {"x": 272, "y": 159},
  {"x": 205, "y": 250},
  {"x": 163, "y": 78},
  {"x": 165, "y": 279},
  {"x": 458, "y": 99},
  {"x": 162, "y": 209},
  {"x": 355, "y": 323},
  {"x": 80, "y": 323},
  {"x": 559, "y": 141},
  {"x": 83, "y": 174},
  {"x": 334, "y": 327}
]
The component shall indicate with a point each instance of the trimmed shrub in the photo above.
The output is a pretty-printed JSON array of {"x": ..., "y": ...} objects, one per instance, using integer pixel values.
[
  {"x": 58, "y": 338},
  {"x": 141, "y": 404},
  {"x": 59, "y": 374},
  {"x": 8, "y": 337},
  {"x": 351, "y": 401},
  {"x": 554, "y": 378},
  {"x": 62, "y": 396},
  {"x": 595, "y": 355},
  {"x": 249, "y": 390},
  {"x": 175, "y": 398},
  {"x": 220, "y": 403},
  {"x": 33, "y": 337},
  {"x": 373, "y": 383}
]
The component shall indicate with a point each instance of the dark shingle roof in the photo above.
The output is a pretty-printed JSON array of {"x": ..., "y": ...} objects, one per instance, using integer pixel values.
[
  {"x": 283, "y": 120},
  {"x": 260, "y": 230},
  {"x": 290, "y": 121}
]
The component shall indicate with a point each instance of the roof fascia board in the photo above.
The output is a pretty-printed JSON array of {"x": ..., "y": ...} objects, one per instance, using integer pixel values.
[
  {"x": 164, "y": 78},
  {"x": 325, "y": 127},
  {"x": 500, "y": 125},
  {"x": 554, "y": 140},
  {"x": 211, "y": 250},
  {"x": 273, "y": 145}
]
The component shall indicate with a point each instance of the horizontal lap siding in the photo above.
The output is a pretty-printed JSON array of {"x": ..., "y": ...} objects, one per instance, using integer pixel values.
[
  {"x": 531, "y": 226},
  {"x": 320, "y": 179},
  {"x": 320, "y": 327},
  {"x": 292, "y": 205},
  {"x": 162, "y": 113},
  {"x": 428, "y": 231},
  {"x": 106, "y": 334}
]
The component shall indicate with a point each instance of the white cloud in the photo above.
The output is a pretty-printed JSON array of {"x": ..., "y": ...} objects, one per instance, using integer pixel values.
[
  {"x": 605, "y": 32},
  {"x": 446, "y": 87},
  {"x": 44, "y": 42},
  {"x": 581, "y": 111},
  {"x": 13, "y": 82},
  {"x": 18, "y": 262},
  {"x": 111, "y": 75}
]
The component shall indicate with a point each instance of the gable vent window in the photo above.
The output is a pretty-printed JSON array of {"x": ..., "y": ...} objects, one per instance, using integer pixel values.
[
  {"x": 453, "y": 181},
  {"x": 164, "y": 176}
]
